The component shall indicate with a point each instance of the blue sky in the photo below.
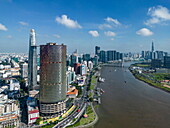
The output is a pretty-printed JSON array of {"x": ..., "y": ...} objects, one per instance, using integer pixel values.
[{"x": 122, "y": 25}]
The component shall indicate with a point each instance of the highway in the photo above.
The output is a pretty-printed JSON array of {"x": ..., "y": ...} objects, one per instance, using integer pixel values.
[{"x": 81, "y": 103}]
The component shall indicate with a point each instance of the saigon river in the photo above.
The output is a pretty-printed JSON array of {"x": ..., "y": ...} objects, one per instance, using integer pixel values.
[{"x": 130, "y": 103}]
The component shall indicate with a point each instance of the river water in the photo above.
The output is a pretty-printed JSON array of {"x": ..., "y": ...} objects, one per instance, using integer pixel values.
[{"x": 130, "y": 103}]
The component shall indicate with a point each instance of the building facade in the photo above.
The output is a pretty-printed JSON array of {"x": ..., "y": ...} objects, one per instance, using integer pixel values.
[
  {"x": 167, "y": 61},
  {"x": 24, "y": 70},
  {"x": 102, "y": 56},
  {"x": 52, "y": 80},
  {"x": 32, "y": 61},
  {"x": 9, "y": 114},
  {"x": 97, "y": 50}
]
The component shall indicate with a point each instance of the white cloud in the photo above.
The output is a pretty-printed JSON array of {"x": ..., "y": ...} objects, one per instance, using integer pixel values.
[
  {"x": 23, "y": 23},
  {"x": 56, "y": 35},
  {"x": 112, "y": 39},
  {"x": 158, "y": 14},
  {"x": 110, "y": 23},
  {"x": 64, "y": 20},
  {"x": 144, "y": 32},
  {"x": 110, "y": 33},
  {"x": 115, "y": 21},
  {"x": 103, "y": 26},
  {"x": 2, "y": 27},
  {"x": 94, "y": 33}
]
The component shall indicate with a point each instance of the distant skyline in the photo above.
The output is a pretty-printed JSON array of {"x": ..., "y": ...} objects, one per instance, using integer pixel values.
[{"x": 125, "y": 26}]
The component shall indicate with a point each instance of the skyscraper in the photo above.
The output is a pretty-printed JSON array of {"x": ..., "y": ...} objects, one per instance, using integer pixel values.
[
  {"x": 86, "y": 57},
  {"x": 97, "y": 50},
  {"x": 32, "y": 61},
  {"x": 103, "y": 56},
  {"x": 52, "y": 80},
  {"x": 114, "y": 55},
  {"x": 167, "y": 61},
  {"x": 73, "y": 60},
  {"x": 117, "y": 55},
  {"x": 110, "y": 55},
  {"x": 152, "y": 47}
]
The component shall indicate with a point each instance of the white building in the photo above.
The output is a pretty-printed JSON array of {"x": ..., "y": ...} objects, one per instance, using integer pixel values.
[
  {"x": 90, "y": 65},
  {"x": 14, "y": 84},
  {"x": 33, "y": 111},
  {"x": 83, "y": 69},
  {"x": 9, "y": 113},
  {"x": 7, "y": 66},
  {"x": 24, "y": 70}
]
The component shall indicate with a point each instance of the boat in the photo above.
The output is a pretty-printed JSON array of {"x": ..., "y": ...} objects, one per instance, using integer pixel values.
[
  {"x": 102, "y": 91},
  {"x": 101, "y": 79}
]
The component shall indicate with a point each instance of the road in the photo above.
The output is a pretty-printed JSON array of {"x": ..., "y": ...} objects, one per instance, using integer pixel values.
[{"x": 80, "y": 103}]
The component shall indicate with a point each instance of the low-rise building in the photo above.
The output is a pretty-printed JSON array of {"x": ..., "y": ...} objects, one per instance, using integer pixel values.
[
  {"x": 9, "y": 113},
  {"x": 80, "y": 80},
  {"x": 32, "y": 109},
  {"x": 12, "y": 83},
  {"x": 73, "y": 93}
]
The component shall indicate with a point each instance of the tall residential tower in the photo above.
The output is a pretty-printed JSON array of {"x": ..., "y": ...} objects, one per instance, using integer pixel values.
[
  {"x": 97, "y": 50},
  {"x": 32, "y": 61},
  {"x": 152, "y": 49},
  {"x": 52, "y": 80}
]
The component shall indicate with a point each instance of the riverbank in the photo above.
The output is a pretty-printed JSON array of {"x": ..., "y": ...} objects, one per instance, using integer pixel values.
[
  {"x": 91, "y": 116},
  {"x": 148, "y": 79},
  {"x": 133, "y": 104},
  {"x": 88, "y": 121}
]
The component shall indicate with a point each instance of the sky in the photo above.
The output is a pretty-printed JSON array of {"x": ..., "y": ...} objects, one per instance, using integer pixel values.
[{"x": 122, "y": 25}]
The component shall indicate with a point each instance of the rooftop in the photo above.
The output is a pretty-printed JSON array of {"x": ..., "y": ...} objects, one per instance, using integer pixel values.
[{"x": 73, "y": 92}]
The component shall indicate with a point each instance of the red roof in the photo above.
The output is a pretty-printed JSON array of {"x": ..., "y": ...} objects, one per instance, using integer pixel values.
[
  {"x": 74, "y": 92},
  {"x": 34, "y": 118},
  {"x": 33, "y": 111}
]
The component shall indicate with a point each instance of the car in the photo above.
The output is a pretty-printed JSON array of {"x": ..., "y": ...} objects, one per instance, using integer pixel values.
[{"x": 78, "y": 110}]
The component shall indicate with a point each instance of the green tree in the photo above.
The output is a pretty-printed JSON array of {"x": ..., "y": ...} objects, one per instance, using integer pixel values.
[
  {"x": 91, "y": 99},
  {"x": 38, "y": 120}
]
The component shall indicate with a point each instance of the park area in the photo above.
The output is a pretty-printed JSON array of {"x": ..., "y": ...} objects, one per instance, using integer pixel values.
[{"x": 84, "y": 121}]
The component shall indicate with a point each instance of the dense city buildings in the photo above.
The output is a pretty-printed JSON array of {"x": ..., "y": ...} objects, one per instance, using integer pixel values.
[
  {"x": 87, "y": 64},
  {"x": 149, "y": 55},
  {"x": 32, "y": 61},
  {"x": 107, "y": 56},
  {"x": 52, "y": 80},
  {"x": 86, "y": 57},
  {"x": 62, "y": 78},
  {"x": 158, "y": 59},
  {"x": 9, "y": 113}
]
